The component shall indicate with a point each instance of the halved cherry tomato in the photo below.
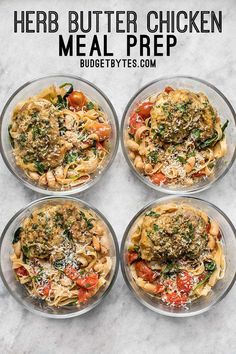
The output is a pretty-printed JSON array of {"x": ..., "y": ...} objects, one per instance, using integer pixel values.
[
  {"x": 158, "y": 178},
  {"x": 168, "y": 89},
  {"x": 103, "y": 130},
  {"x": 21, "y": 272},
  {"x": 71, "y": 272},
  {"x": 77, "y": 99},
  {"x": 88, "y": 282},
  {"x": 143, "y": 271},
  {"x": 135, "y": 122},
  {"x": 184, "y": 282},
  {"x": 83, "y": 295},
  {"x": 46, "y": 289},
  {"x": 199, "y": 174},
  {"x": 132, "y": 256},
  {"x": 175, "y": 299},
  {"x": 144, "y": 109},
  {"x": 159, "y": 288}
]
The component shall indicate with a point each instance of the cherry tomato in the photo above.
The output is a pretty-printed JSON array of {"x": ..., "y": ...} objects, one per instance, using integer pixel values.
[
  {"x": 158, "y": 178},
  {"x": 103, "y": 130},
  {"x": 76, "y": 99},
  {"x": 83, "y": 295},
  {"x": 135, "y": 122},
  {"x": 199, "y": 174},
  {"x": 175, "y": 299},
  {"x": 143, "y": 271},
  {"x": 144, "y": 109},
  {"x": 46, "y": 289},
  {"x": 132, "y": 256},
  {"x": 21, "y": 272},
  {"x": 88, "y": 282},
  {"x": 168, "y": 89},
  {"x": 71, "y": 272},
  {"x": 159, "y": 288},
  {"x": 184, "y": 282}
]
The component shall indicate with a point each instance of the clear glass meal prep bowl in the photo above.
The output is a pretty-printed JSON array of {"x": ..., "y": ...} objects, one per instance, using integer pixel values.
[
  {"x": 32, "y": 88},
  {"x": 19, "y": 292},
  {"x": 217, "y": 99},
  {"x": 220, "y": 289}
]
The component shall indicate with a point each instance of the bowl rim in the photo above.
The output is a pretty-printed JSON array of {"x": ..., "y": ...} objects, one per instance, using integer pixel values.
[
  {"x": 123, "y": 265},
  {"x": 116, "y": 250},
  {"x": 142, "y": 178},
  {"x": 85, "y": 186}
]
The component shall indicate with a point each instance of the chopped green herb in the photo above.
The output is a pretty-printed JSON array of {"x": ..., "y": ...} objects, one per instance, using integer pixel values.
[
  {"x": 181, "y": 159},
  {"x": 182, "y": 107},
  {"x": 71, "y": 157}
]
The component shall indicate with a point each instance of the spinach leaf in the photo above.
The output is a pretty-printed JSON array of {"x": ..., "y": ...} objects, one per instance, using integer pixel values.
[
  {"x": 16, "y": 237},
  {"x": 156, "y": 228},
  {"x": 90, "y": 105},
  {"x": 196, "y": 134},
  {"x": 152, "y": 213},
  {"x": 224, "y": 126},
  {"x": 153, "y": 156},
  {"x": 40, "y": 167},
  {"x": 60, "y": 264},
  {"x": 210, "y": 266},
  {"x": 10, "y": 137},
  {"x": 61, "y": 102},
  {"x": 69, "y": 91}
]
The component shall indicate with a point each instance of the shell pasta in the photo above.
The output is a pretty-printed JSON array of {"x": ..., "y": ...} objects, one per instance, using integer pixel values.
[
  {"x": 62, "y": 254},
  {"x": 176, "y": 253},
  {"x": 60, "y": 137},
  {"x": 175, "y": 138}
]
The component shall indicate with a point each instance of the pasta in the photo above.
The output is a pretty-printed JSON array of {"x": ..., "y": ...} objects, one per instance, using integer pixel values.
[
  {"x": 61, "y": 254},
  {"x": 175, "y": 138},
  {"x": 176, "y": 254},
  {"x": 60, "y": 138}
]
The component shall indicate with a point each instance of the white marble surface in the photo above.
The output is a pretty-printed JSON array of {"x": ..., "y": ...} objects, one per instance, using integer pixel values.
[{"x": 120, "y": 324}]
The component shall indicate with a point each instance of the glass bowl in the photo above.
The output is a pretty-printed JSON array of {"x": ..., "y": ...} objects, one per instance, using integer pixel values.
[
  {"x": 34, "y": 87},
  {"x": 217, "y": 99},
  {"x": 20, "y": 293},
  {"x": 222, "y": 286}
]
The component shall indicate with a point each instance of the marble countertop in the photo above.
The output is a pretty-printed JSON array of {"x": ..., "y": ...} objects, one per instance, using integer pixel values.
[{"x": 120, "y": 324}]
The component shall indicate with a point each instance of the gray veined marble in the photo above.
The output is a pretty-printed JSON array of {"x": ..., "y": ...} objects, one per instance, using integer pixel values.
[{"x": 119, "y": 324}]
